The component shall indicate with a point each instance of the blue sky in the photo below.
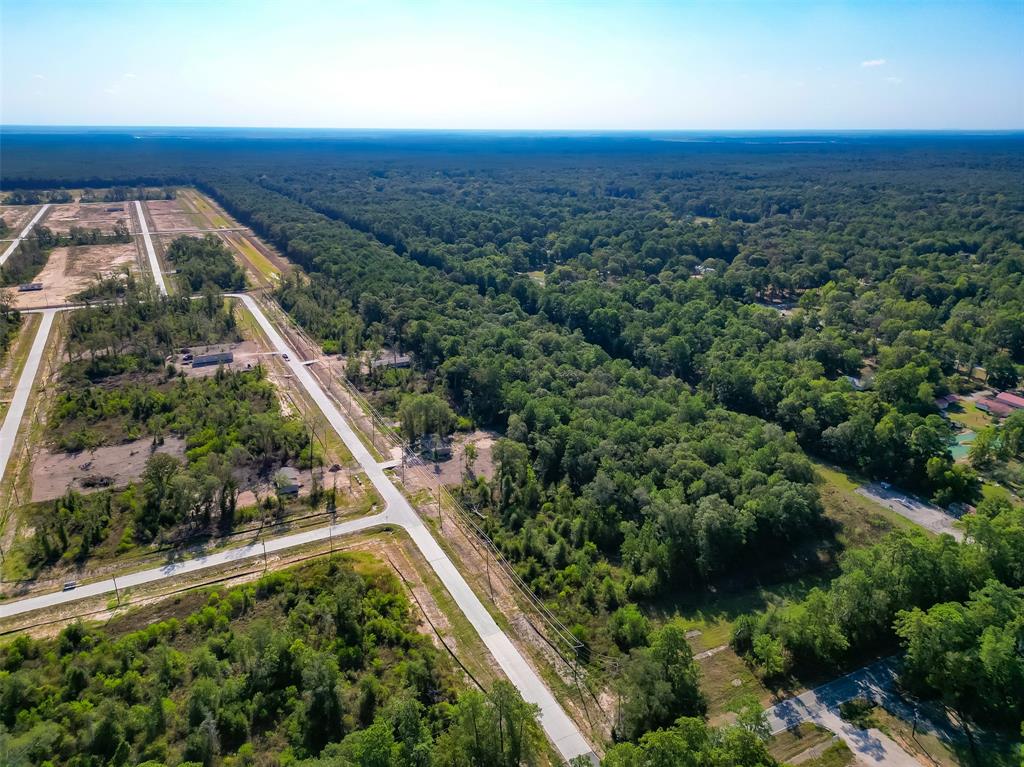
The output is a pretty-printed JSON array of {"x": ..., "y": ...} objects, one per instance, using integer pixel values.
[{"x": 747, "y": 64}]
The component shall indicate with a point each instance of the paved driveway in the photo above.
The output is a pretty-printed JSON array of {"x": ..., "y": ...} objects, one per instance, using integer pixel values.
[{"x": 821, "y": 706}]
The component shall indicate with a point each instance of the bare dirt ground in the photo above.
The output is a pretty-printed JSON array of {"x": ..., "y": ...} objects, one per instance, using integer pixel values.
[
  {"x": 454, "y": 470},
  {"x": 70, "y": 270},
  {"x": 16, "y": 217},
  {"x": 171, "y": 214},
  {"x": 53, "y": 473},
  {"x": 100, "y": 215},
  {"x": 248, "y": 355}
]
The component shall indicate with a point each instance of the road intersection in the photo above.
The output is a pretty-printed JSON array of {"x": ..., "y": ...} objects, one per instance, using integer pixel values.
[
  {"x": 24, "y": 233},
  {"x": 559, "y": 727}
]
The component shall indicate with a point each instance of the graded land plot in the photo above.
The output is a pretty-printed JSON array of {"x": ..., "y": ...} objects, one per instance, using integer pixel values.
[
  {"x": 54, "y": 473},
  {"x": 17, "y": 216},
  {"x": 171, "y": 215},
  {"x": 71, "y": 269},
  {"x": 88, "y": 215}
]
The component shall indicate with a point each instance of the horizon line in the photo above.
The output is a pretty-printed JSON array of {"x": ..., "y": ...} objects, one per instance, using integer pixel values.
[{"x": 595, "y": 130}]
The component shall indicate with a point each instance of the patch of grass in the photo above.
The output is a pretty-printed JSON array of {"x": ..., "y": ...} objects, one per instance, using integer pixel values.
[
  {"x": 713, "y": 613},
  {"x": 718, "y": 676},
  {"x": 205, "y": 209},
  {"x": 966, "y": 414},
  {"x": 993, "y": 492},
  {"x": 797, "y": 740},
  {"x": 836, "y": 755},
  {"x": 256, "y": 259},
  {"x": 860, "y": 712},
  {"x": 859, "y": 520}
]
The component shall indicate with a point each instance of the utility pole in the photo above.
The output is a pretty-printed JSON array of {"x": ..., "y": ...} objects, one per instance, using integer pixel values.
[
  {"x": 116, "y": 592},
  {"x": 264, "y": 555},
  {"x": 440, "y": 519}
]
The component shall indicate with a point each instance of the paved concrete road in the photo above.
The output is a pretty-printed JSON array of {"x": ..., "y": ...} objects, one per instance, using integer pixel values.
[
  {"x": 562, "y": 731},
  {"x": 560, "y": 728},
  {"x": 821, "y": 706},
  {"x": 12, "y": 420},
  {"x": 185, "y": 566},
  {"x": 924, "y": 514},
  {"x": 24, "y": 233},
  {"x": 154, "y": 262}
]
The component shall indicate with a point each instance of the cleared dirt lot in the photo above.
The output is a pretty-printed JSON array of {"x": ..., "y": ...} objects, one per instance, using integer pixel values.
[
  {"x": 16, "y": 217},
  {"x": 70, "y": 270},
  {"x": 453, "y": 470},
  {"x": 247, "y": 356},
  {"x": 168, "y": 215},
  {"x": 99, "y": 215},
  {"x": 54, "y": 473}
]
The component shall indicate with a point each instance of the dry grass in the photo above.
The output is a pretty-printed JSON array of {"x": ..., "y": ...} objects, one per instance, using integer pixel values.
[{"x": 859, "y": 521}]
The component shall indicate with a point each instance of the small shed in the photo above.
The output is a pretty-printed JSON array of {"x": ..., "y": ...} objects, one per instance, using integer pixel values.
[
  {"x": 436, "y": 448},
  {"x": 213, "y": 358},
  {"x": 287, "y": 481}
]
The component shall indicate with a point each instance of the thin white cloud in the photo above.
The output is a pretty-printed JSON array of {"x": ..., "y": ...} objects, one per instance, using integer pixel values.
[
  {"x": 38, "y": 76},
  {"x": 894, "y": 80},
  {"x": 129, "y": 76},
  {"x": 873, "y": 63}
]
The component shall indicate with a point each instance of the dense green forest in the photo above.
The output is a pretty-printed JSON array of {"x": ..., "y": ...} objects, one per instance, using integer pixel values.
[
  {"x": 322, "y": 660},
  {"x": 668, "y": 335},
  {"x": 205, "y": 261}
]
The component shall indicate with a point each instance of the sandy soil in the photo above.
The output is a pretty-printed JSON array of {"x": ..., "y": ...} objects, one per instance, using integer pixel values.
[
  {"x": 452, "y": 471},
  {"x": 54, "y": 473},
  {"x": 70, "y": 270},
  {"x": 16, "y": 217},
  {"x": 102, "y": 215},
  {"x": 170, "y": 214}
]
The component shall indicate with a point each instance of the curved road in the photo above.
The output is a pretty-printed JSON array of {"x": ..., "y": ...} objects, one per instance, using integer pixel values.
[{"x": 561, "y": 730}]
